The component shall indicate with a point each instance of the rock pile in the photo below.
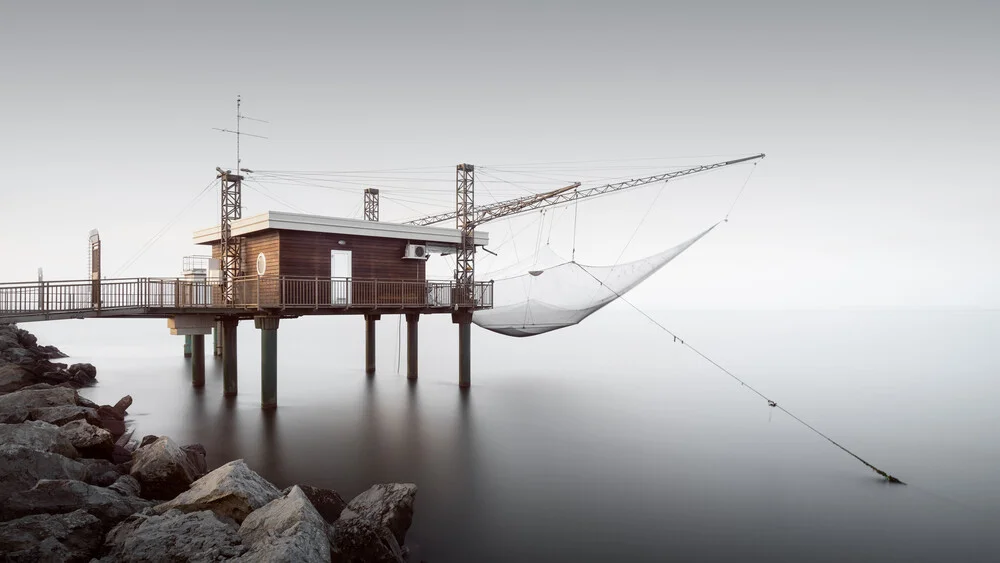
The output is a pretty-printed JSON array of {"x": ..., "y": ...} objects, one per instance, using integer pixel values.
[{"x": 74, "y": 486}]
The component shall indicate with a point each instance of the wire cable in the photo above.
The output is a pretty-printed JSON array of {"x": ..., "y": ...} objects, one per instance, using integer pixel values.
[
  {"x": 163, "y": 230},
  {"x": 731, "y": 207}
]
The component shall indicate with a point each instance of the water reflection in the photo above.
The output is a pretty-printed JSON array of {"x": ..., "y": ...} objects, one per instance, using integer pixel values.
[{"x": 562, "y": 457}]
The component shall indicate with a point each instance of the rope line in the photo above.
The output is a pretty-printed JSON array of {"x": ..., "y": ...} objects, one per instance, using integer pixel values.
[
  {"x": 731, "y": 207},
  {"x": 771, "y": 403},
  {"x": 639, "y": 226},
  {"x": 576, "y": 214}
]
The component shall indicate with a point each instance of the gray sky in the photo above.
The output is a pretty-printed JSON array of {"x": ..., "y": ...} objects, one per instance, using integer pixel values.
[{"x": 879, "y": 119}]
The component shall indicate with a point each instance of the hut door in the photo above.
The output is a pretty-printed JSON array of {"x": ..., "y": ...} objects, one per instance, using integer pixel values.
[{"x": 340, "y": 274}]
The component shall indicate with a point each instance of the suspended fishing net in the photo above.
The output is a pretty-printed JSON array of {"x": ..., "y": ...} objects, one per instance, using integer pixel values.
[{"x": 551, "y": 292}]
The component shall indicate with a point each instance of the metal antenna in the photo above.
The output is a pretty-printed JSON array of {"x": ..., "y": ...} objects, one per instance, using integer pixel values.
[
  {"x": 240, "y": 117},
  {"x": 232, "y": 209}
]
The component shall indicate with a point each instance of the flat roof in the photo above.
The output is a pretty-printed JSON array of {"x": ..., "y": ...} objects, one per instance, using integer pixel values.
[{"x": 338, "y": 225}]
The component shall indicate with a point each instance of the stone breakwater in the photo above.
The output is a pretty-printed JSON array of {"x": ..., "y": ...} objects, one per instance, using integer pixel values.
[{"x": 75, "y": 486}]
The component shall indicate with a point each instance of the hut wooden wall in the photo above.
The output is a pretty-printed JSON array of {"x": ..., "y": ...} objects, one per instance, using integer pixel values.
[
  {"x": 308, "y": 254},
  {"x": 296, "y": 254},
  {"x": 266, "y": 243}
]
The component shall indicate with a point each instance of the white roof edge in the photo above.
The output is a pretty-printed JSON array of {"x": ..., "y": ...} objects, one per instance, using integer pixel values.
[{"x": 337, "y": 225}]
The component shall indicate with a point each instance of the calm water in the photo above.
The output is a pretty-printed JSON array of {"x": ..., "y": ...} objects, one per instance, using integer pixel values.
[{"x": 608, "y": 442}]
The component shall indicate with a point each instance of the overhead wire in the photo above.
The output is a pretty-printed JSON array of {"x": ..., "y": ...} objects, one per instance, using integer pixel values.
[
  {"x": 163, "y": 230},
  {"x": 261, "y": 189}
]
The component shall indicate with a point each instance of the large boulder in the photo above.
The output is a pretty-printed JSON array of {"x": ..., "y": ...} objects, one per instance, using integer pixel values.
[
  {"x": 163, "y": 469},
  {"x": 22, "y": 467},
  {"x": 103, "y": 473},
  {"x": 173, "y": 536},
  {"x": 76, "y": 375},
  {"x": 198, "y": 457},
  {"x": 8, "y": 337},
  {"x": 233, "y": 491},
  {"x": 287, "y": 529},
  {"x": 121, "y": 407},
  {"x": 26, "y": 339},
  {"x": 328, "y": 503},
  {"x": 121, "y": 455},
  {"x": 354, "y": 539},
  {"x": 89, "y": 440},
  {"x": 14, "y": 377},
  {"x": 85, "y": 402},
  {"x": 111, "y": 421},
  {"x": 64, "y": 413},
  {"x": 109, "y": 505},
  {"x": 15, "y": 407},
  {"x": 17, "y": 355},
  {"x": 74, "y": 537},
  {"x": 40, "y": 436},
  {"x": 126, "y": 485},
  {"x": 85, "y": 372},
  {"x": 50, "y": 352},
  {"x": 389, "y": 504}
]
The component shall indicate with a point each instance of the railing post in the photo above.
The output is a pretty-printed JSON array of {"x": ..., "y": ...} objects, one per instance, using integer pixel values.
[{"x": 317, "y": 292}]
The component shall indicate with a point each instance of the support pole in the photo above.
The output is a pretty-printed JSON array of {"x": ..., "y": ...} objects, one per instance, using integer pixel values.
[
  {"x": 217, "y": 339},
  {"x": 268, "y": 361},
  {"x": 370, "y": 343},
  {"x": 198, "y": 360},
  {"x": 411, "y": 345},
  {"x": 464, "y": 321},
  {"x": 187, "y": 346},
  {"x": 464, "y": 355},
  {"x": 229, "y": 385}
]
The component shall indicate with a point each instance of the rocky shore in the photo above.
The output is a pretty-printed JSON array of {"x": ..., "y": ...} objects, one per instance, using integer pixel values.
[{"x": 76, "y": 486}]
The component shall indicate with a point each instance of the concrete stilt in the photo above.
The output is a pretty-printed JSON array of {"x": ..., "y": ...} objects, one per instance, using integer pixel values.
[
  {"x": 464, "y": 321},
  {"x": 411, "y": 345},
  {"x": 229, "y": 381},
  {"x": 370, "y": 343},
  {"x": 217, "y": 340},
  {"x": 187, "y": 346},
  {"x": 268, "y": 361},
  {"x": 198, "y": 360}
]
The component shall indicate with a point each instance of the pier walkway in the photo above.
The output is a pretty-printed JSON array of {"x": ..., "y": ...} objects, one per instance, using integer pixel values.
[
  {"x": 196, "y": 307},
  {"x": 253, "y": 296}
]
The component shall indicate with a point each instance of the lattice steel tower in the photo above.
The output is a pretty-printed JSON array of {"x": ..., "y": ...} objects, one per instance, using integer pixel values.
[
  {"x": 371, "y": 204},
  {"x": 465, "y": 259},
  {"x": 232, "y": 209},
  {"x": 230, "y": 245}
]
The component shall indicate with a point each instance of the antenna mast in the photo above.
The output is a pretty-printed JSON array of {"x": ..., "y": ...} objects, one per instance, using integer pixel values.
[
  {"x": 232, "y": 209},
  {"x": 238, "y": 118}
]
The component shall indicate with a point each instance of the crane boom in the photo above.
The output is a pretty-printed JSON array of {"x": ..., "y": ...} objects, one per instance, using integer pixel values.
[{"x": 568, "y": 194}]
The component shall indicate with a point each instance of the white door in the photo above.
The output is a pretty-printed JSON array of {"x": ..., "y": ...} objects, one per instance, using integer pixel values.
[{"x": 340, "y": 274}]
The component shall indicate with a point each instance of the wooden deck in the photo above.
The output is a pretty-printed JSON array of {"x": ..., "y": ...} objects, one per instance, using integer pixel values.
[{"x": 286, "y": 296}]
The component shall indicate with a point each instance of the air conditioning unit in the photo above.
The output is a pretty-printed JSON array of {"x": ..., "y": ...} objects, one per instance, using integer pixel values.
[{"x": 416, "y": 252}]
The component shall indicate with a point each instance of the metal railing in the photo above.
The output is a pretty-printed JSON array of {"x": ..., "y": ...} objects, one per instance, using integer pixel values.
[
  {"x": 195, "y": 263},
  {"x": 250, "y": 292}
]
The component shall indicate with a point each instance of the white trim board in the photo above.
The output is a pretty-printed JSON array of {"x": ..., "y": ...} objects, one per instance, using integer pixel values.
[{"x": 338, "y": 225}]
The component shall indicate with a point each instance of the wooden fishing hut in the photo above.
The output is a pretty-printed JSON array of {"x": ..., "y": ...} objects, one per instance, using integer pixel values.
[{"x": 294, "y": 264}]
